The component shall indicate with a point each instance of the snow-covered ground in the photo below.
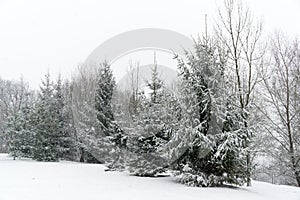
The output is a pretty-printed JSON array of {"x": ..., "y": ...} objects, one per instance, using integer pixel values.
[{"x": 30, "y": 180}]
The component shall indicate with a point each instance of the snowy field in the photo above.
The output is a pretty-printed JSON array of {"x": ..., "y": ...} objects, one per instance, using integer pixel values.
[{"x": 31, "y": 180}]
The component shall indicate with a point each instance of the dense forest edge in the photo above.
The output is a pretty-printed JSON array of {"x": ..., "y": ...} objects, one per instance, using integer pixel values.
[{"x": 231, "y": 115}]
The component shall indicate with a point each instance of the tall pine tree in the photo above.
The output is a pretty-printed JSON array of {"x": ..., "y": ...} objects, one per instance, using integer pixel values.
[
  {"x": 150, "y": 133},
  {"x": 65, "y": 126},
  {"x": 110, "y": 136},
  {"x": 103, "y": 99},
  {"x": 210, "y": 143},
  {"x": 48, "y": 132}
]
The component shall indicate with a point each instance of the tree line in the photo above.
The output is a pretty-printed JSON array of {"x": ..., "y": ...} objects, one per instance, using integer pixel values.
[{"x": 231, "y": 115}]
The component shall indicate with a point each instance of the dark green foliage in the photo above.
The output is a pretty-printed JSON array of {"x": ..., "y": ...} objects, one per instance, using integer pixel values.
[
  {"x": 47, "y": 133},
  {"x": 17, "y": 139},
  {"x": 20, "y": 134},
  {"x": 146, "y": 164},
  {"x": 51, "y": 124},
  {"x": 111, "y": 138},
  {"x": 65, "y": 124},
  {"x": 151, "y": 130},
  {"x": 211, "y": 126},
  {"x": 103, "y": 99}
]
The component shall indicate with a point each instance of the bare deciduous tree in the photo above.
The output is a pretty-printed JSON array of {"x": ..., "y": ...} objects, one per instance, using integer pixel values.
[
  {"x": 282, "y": 86},
  {"x": 240, "y": 34}
]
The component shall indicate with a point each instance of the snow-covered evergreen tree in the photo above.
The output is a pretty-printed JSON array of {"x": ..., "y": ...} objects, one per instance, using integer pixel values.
[
  {"x": 209, "y": 146},
  {"x": 84, "y": 113},
  {"x": 103, "y": 99},
  {"x": 48, "y": 124},
  {"x": 65, "y": 126},
  {"x": 18, "y": 134},
  {"x": 111, "y": 134},
  {"x": 150, "y": 133},
  {"x": 15, "y": 135}
]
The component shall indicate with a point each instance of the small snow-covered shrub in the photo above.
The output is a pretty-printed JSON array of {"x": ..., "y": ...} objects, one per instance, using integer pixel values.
[
  {"x": 198, "y": 179},
  {"x": 149, "y": 165}
]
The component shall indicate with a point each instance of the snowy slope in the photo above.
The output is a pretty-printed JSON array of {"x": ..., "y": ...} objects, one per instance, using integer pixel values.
[{"x": 30, "y": 180}]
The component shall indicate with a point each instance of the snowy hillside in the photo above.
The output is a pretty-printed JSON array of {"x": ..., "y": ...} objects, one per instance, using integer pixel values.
[{"x": 30, "y": 180}]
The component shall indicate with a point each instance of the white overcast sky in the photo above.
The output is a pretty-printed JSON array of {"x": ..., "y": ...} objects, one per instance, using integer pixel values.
[{"x": 37, "y": 35}]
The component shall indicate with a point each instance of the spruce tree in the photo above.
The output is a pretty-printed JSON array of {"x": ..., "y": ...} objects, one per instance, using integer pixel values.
[
  {"x": 103, "y": 99},
  {"x": 47, "y": 124},
  {"x": 27, "y": 126},
  {"x": 18, "y": 135},
  {"x": 110, "y": 136},
  {"x": 210, "y": 144},
  {"x": 14, "y": 135},
  {"x": 149, "y": 135},
  {"x": 71, "y": 148}
]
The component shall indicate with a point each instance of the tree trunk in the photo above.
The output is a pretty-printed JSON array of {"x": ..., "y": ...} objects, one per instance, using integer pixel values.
[
  {"x": 296, "y": 172},
  {"x": 297, "y": 175},
  {"x": 81, "y": 155},
  {"x": 248, "y": 169}
]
